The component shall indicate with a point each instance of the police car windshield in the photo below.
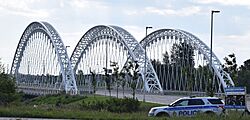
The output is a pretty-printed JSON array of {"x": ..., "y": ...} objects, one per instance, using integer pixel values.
[
  {"x": 180, "y": 102},
  {"x": 188, "y": 102},
  {"x": 215, "y": 101}
]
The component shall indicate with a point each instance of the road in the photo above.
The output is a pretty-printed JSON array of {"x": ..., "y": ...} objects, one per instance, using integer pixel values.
[
  {"x": 154, "y": 98},
  {"x": 161, "y": 99}
]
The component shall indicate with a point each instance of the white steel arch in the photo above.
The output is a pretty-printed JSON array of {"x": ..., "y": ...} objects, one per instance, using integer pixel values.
[
  {"x": 68, "y": 80},
  {"x": 128, "y": 41},
  {"x": 224, "y": 78}
]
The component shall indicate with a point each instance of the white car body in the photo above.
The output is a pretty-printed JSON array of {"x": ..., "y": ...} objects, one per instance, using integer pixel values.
[{"x": 189, "y": 106}]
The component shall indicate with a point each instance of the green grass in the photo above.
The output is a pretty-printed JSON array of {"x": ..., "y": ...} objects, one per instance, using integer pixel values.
[
  {"x": 96, "y": 98},
  {"x": 71, "y": 108},
  {"x": 27, "y": 111},
  {"x": 53, "y": 99}
]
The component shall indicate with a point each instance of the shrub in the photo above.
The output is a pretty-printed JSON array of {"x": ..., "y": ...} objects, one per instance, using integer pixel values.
[
  {"x": 94, "y": 105},
  {"x": 113, "y": 105},
  {"x": 56, "y": 100},
  {"x": 8, "y": 92},
  {"x": 123, "y": 105},
  {"x": 6, "y": 98}
]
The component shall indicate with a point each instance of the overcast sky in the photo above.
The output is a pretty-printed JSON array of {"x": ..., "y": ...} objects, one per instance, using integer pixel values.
[{"x": 72, "y": 18}]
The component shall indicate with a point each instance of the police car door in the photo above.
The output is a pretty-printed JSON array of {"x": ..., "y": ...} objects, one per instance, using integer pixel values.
[
  {"x": 188, "y": 107},
  {"x": 194, "y": 106},
  {"x": 180, "y": 107}
]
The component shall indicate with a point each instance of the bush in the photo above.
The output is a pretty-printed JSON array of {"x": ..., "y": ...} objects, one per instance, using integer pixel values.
[
  {"x": 8, "y": 92},
  {"x": 57, "y": 100},
  {"x": 113, "y": 105},
  {"x": 6, "y": 98},
  {"x": 69, "y": 99},
  {"x": 94, "y": 105},
  {"x": 123, "y": 105}
]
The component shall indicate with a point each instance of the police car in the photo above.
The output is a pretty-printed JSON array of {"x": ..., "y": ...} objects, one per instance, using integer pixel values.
[{"x": 189, "y": 106}]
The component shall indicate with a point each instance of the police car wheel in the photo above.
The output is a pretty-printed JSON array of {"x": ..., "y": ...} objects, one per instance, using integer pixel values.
[
  {"x": 210, "y": 113},
  {"x": 162, "y": 114}
]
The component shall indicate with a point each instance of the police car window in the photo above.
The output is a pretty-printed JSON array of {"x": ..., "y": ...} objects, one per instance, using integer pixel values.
[
  {"x": 196, "y": 102},
  {"x": 181, "y": 103},
  {"x": 215, "y": 101}
]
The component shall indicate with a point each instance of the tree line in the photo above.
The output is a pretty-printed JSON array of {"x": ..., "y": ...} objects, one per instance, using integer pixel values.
[
  {"x": 180, "y": 67},
  {"x": 239, "y": 74},
  {"x": 127, "y": 76},
  {"x": 181, "y": 61}
]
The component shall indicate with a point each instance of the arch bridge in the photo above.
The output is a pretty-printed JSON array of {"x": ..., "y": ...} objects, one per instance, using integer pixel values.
[{"x": 176, "y": 60}]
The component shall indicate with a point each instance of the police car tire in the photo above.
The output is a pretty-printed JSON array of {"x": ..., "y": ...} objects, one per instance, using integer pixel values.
[
  {"x": 162, "y": 114},
  {"x": 210, "y": 113}
]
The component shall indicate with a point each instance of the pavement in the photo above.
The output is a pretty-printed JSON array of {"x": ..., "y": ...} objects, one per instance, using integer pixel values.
[{"x": 153, "y": 98}]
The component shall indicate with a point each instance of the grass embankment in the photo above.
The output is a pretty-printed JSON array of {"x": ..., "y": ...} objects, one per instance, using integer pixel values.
[
  {"x": 70, "y": 107},
  {"x": 30, "y": 112},
  {"x": 82, "y": 107}
]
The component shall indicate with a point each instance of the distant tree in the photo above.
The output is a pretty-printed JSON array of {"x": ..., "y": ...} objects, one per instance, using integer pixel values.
[
  {"x": 246, "y": 65},
  {"x": 79, "y": 77},
  {"x": 207, "y": 80},
  {"x": 116, "y": 75},
  {"x": 166, "y": 58},
  {"x": 182, "y": 53},
  {"x": 107, "y": 81},
  {"x": 189, "y": 77},
  {"x": 123, "y": 81},
  {"x": 93, "y": 81},
  {"x": 47, "y": 79},
  {"x": 230, "y": 66},
  {"x": 244, "y": 75},
  {"x": 133, "y": 71},
  {"x": 182, "y": 63},
  {"x": 174, "y": 57},
  {"x": 7, "y": 84},
  {"x": 8, "y": 92},
  {"x": 155, "y": 62}
]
